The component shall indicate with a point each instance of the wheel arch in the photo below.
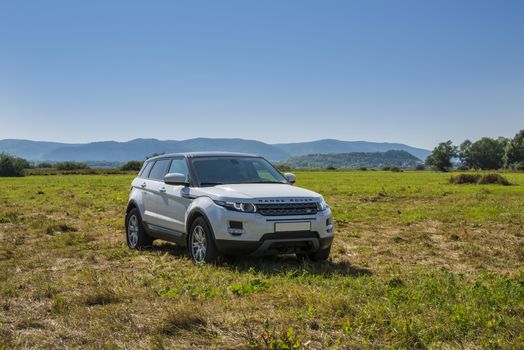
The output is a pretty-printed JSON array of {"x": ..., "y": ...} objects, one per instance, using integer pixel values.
[
  {"x": 193, "y": 215},
  {"x": 131, "y": 205}
]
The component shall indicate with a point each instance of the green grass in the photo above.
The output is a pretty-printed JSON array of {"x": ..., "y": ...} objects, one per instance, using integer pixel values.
[{"x": 417, "y": 263}]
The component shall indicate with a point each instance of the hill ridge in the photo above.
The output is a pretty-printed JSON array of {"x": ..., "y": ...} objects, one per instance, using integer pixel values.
[{"x": 140, "y": 148}]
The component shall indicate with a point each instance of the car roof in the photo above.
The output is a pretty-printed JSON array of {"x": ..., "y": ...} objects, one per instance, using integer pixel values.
[{"x": 203, "y": 154}]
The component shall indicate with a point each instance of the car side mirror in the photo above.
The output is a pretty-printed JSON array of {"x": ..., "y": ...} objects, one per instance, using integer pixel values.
[
  {"x": 175, "y": 179},
  {"x": 290, "y": 177}
]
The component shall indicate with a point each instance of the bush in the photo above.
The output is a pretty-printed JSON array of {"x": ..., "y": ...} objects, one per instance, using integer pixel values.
[
  {"x": 44, "y": 165},
  {"x": 420, "y": 167},
  {"x": 386, "y": 168},
  {"x": 12, "y": 166},
  {"x": 331, "y": 168},
  {"x": 134, "y": 165},
  {"x": 495, "y": 179},
  {"x": 71, "y": 166},
  {"x": 517, "y": 166},
  {"x": 395, "y": 169},
  {"x": 461, "y": 179},
  {"x": 363, "y": 168}
]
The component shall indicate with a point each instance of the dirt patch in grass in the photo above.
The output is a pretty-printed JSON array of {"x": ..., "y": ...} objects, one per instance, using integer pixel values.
[
  {"x": 59, "y": 228},
  {"x": 185, "y": 315}
]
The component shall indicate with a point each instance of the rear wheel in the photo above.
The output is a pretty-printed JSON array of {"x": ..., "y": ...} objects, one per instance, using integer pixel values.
[
  {"x": 202, "y": 247},
  {"x": 136, "y": 236}
]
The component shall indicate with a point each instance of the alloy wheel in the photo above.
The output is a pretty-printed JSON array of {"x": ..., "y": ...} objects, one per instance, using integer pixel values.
[
  {"x": 132, "y": 231},
  {"x": 198, "y": 244}
]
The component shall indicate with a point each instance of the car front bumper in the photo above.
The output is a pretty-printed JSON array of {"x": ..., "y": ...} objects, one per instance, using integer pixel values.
[{"x": 259, "y": 234}]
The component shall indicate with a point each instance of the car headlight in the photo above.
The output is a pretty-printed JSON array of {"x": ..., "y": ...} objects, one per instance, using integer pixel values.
[
  {"x": 322, "y": 205},
  {"x": 238, "y": 206}
]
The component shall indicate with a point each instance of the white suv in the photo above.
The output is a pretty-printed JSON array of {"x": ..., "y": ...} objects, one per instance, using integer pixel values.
[{"x": 220, "y": 204}]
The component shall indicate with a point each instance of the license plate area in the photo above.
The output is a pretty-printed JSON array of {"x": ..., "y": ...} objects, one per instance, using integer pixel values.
[{"x": 292, "y": 226}]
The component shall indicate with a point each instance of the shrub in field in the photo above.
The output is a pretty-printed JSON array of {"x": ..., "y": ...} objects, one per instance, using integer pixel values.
[
  {"x": 44, "y": 165},
  {"x": 134, "y": 165},
  {"x": 386, "y": 168},
  {"x": 420, "y": 167},
  {"x": 495, "y": 179},
  {"x": 465, "y": 179},
  {"x": 71, "y": 166},
  {"x": 396, "y": 169},
  {"x": 12, "y": 166}
]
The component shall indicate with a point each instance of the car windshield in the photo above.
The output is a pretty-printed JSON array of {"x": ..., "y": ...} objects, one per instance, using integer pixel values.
[{"x": 212, "y": 171}]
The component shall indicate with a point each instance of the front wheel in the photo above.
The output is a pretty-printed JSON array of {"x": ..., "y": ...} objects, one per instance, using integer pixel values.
[{"x": 202, "y": 247}]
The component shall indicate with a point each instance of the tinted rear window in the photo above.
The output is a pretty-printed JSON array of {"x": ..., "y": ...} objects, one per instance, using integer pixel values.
[
  {"x": 159, "y": 169},
  {"x": 146, "y": 169}
]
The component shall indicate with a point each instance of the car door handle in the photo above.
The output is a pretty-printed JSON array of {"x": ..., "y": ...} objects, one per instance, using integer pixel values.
[
  {"x": 162, "y": 189},
  {"x": 143, "y": 185}
]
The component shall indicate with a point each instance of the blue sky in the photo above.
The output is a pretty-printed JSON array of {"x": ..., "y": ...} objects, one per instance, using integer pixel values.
[{"x": 416, "y": 72}]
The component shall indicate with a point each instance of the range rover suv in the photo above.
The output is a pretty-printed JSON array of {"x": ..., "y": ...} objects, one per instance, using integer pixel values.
[{"x": 220, "y": 204}]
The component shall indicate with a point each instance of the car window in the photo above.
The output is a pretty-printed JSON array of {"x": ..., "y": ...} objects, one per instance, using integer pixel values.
[
  {"x": 179, "y": 165},
  {"x": 211, "y": 171},
  {"x": 159, "y": 170},
  {"x": 262, "y": 171},
  {"x": 145, "y": 170}
]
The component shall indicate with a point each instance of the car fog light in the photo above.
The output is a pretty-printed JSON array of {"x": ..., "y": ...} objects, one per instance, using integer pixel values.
[{"x": 235, "y": 231}]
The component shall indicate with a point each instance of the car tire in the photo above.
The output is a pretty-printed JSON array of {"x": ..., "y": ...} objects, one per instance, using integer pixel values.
[
  {"x": 136, "y": 235},
  {"x": 201, "y": 243},
  {"x": 318, "y": 256}
]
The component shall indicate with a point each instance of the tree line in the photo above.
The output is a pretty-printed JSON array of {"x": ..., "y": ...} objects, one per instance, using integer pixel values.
[{"x": 483, "y": 154}]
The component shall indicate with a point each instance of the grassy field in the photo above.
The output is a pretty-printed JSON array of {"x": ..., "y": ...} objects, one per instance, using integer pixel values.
[{"x": 417, "y": 263}]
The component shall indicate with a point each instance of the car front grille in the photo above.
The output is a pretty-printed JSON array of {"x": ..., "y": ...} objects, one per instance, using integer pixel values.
[{"x": 283, "y": 209}]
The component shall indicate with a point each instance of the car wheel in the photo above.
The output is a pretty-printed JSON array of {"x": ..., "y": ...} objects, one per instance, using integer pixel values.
[
  {"x": 202, "y": 247},
  {"x": 318, "y": 256},
  {"x": 136, "y": 236}
]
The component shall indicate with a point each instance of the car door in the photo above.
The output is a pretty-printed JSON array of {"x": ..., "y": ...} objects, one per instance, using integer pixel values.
[
  {"x": 173, "y": 200},
  {"x": 154, "y": 185},
  {"x": 143, "y": 184}
]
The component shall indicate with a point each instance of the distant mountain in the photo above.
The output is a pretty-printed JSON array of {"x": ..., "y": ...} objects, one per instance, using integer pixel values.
[
  {"x": 237, "y": 145},
  {"x": 353, "y": 160},
  {"x": 337, "y": 146},
  {"x": 139, "y": 149},
  {"x": 32, "y": 150}
]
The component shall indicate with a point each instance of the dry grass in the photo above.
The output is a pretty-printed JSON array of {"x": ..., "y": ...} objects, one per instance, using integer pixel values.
[{"x": 417, "y": 263}]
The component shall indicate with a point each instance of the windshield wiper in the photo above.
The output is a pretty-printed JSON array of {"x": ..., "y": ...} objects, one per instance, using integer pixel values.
[{"x": 211, "y": 183}]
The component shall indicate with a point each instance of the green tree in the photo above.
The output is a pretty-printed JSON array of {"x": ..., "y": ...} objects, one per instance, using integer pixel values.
[
  {"x": 12, "y": 166},
  {"x": 440, "y": 158},
  {"x": 514, "y": 152},
  {"x": 134, "y": 165},
  {"x": 464, "y": 153},
  {"x": 486, "y": 154}
]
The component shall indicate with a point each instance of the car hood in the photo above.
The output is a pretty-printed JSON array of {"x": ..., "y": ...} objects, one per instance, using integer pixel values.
[{"x": 254, "y": 192}]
